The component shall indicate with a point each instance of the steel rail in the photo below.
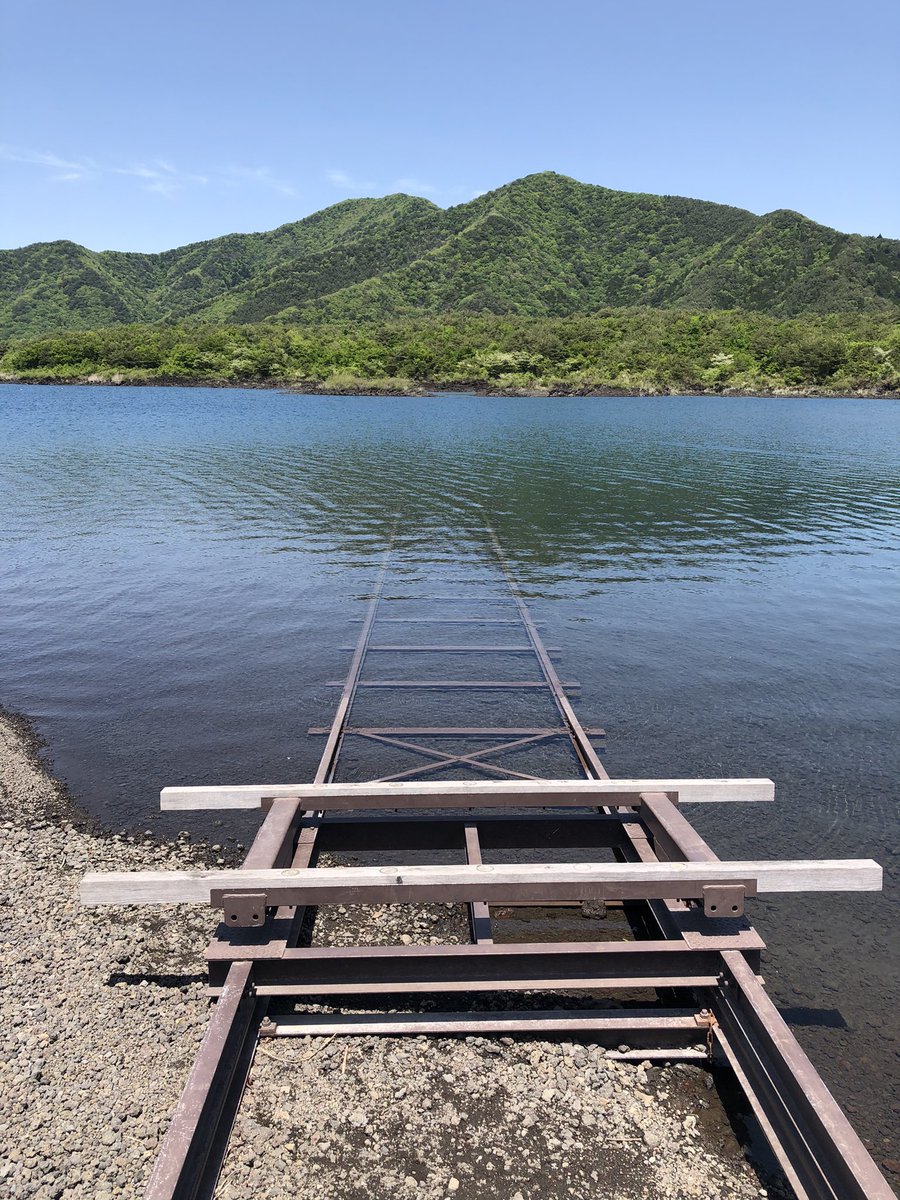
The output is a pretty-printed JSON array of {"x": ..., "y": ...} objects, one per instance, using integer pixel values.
[
  {"x": 819, "y": 1151},
  {"x": 190, "y": 1157},
  {"x": 817, "y": 1147},
  {"x": 587, "y": 755},
  {"x": 821, "y": 1154}
]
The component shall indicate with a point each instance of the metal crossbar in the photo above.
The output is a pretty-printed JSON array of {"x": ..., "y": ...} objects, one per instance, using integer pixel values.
[{"x": 472, "y": 759}]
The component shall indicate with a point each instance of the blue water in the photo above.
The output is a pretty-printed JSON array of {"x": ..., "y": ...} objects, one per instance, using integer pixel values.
[{"x": 179, "y": 569}]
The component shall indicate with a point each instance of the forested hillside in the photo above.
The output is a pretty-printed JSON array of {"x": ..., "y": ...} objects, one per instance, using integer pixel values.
[{"x": 543, "y": 246}]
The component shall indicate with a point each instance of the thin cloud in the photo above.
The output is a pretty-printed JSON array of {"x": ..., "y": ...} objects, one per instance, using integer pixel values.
[
  {"x": 412, "y": 184},
  {"x": 138, "y": 172},
  {"x": 158, "y": 176},
  {"x": 164, "y": 187},
  {"x": 346, "y": 181},
  {"x": 418, "y": 187},
  {"x": 37, "y": 158},
  {"x": 262, "y": 176},
  {"x": 351, "y": 183}
]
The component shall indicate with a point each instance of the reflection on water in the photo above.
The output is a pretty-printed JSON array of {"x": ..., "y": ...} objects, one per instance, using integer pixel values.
[{"x": 179, "y": 569}]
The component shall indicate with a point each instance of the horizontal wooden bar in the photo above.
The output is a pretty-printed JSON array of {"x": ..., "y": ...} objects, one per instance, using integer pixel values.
[
  {"x": 497, "y": 883},
  {"x": 628, "y": 1025},
  {"x": 697, "y": 1054},
  {"x": 468, "y": 793}
]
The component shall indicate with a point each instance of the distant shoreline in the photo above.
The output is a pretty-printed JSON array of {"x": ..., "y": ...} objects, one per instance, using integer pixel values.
[
  {"x": 424, "y": 388},
  {"x": 617, "y": 352}
]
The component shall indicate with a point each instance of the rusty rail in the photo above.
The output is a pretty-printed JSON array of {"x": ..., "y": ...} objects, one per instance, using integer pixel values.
[{"x": 192, "y": 1151}]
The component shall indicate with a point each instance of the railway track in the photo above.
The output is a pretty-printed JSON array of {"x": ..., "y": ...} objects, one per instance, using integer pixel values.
[{"x": 693, "y": 944}]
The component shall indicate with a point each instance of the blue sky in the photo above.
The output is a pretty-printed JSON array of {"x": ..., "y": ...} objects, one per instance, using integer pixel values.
[{"x": 142, "y": 126}]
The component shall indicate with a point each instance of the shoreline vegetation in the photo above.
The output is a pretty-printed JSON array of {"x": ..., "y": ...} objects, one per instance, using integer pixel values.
[{"x": 615, "y": 352}]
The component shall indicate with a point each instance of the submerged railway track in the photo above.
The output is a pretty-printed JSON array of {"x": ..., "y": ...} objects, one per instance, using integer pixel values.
[{"x": 693, "y": 945}]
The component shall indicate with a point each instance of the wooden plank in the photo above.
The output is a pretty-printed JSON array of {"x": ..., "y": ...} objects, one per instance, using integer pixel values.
[
  {"x": 639, "y": 1023},
  {"x": 490, "y": 883},
  {"x": 468, "y": 793},
  {"x": 656, "y": 1054}
]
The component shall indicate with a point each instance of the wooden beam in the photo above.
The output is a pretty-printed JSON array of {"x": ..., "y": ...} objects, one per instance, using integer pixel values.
[
  {"x": 549, "y": 793},
  {"x": 655, "y": 1024},
  {"x": 490, "y": 883}
]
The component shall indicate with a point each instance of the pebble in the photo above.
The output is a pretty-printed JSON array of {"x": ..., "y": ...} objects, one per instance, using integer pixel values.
[{"x": 98, "y": 1040}]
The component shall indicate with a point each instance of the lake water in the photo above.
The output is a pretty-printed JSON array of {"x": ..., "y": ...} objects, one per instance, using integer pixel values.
[{"x": 180, "y": 568}]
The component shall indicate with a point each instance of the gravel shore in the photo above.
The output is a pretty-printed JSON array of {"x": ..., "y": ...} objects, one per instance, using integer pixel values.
[{"x": 101, "y": 1012}]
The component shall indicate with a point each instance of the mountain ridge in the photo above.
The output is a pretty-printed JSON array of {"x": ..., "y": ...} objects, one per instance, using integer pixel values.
[{"x": 543, "y": 245}]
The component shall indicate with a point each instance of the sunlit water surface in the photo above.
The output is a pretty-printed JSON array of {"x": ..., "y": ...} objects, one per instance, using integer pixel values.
[{"x": 180, "y": 569}]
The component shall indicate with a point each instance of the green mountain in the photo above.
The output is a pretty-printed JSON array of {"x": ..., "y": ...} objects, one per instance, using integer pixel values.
[{"x": 545, "y": 245}]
